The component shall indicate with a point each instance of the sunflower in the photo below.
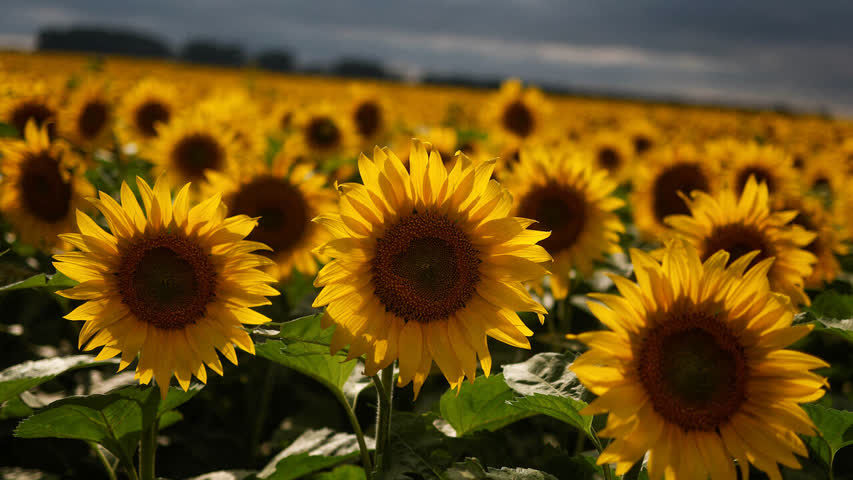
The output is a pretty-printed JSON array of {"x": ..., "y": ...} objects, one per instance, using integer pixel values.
[
  {"x": 173, "y": 285},
  {"x": 192, "y": 145},
  {"x": 611, "y": 151},
  {"x": 426, "y": 265},
  {"x": 286, "y": 196},
  {"x": 668, "y": 171},
  {"x": 745, "y": 223},
  {"x": 41, "y": 187},
  {"x": 238, "y": 113},
  {"x": 26, "y": 102},
  {"x": 644, "y": 136},
  {"x": 813, "y": 217},
  {"x": 572, "y": 200},
  {"x": 822, "y": 178},
  {"x": 767, "y": 164},
  {"x": 324, "y": 133},
  {"x": 149, "y": 104},
  {"x": 694, "y": 370},
  {"x": 516, "y": 113},
  {"x": 369, "y": 113},
  {"x": 86, "y": 120}
]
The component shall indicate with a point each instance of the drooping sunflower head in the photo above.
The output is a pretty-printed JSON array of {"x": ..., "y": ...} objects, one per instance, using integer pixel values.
[
  {"x": 662, "y": 179},
  {"x": 768, "y": 164},
  {"x": 694, "y": 371},
  {"x": 427, "y": 263},
  {"x": 744, "y": 223},
  {"x": 144, "y": 108},
  {"x": 36, "y": 102},
  {"x": 517, "y": 113},
  {"x": 572, "y": 200},
  {"x": 42, "y": 186},
  {"x": 87, "y": 119},
  {"x": 172, "y": 285},
  {"x": 285, "y": 197},
  {"x": 190, "y": 146}
]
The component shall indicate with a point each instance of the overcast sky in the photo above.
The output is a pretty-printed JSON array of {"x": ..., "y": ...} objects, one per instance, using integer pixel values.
[{"x": 758, "y": 52}]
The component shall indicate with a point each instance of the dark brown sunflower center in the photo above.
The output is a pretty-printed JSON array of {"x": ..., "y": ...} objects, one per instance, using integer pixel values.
[
  {"x": 518, "y": 119},
  {"x": 44, "y": 192},
  {"x": 368, "y": 119},
  {"x": 799, "y": 161},
  {"x": 195, "y": 153},
  {"x": 323, "y": 134},
  {"x": 92, "y": 119},
  {"x": 560, "y": 209},
  {"x": 694, "y": 370},
  {"x": 36, "y": 111},
  {"x": 149, "y": 114},
  {"x": 738, "y": 240},
  {"x": 166, "y": 280},
  {"x": 642, "y": 144},
  {"x": 285, "y": 217},
  {"x": 286, "y": 120},
  {"x": 609, "y": 158},
  {"x": 679, "y": 178},
  {"x": 425, "y": 268},
  {"x": 761, "y": 175}
]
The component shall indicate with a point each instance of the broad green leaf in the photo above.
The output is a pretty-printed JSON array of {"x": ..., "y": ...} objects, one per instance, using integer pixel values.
[
  {"x": 56, "y": 282},
  {"x": 480, "y": 406},
  {"x": 344, "y": 472},
  {"x": 564, "y": 409},
  {"x": 15, "y": 408},
  {"x": 305, "y": 348},
  {"x": 545, "y": 373},
  {"x": 114, "y": 420},
  {"x": 313, "y": 451},
  {"x": 472, "y": 470},
  {"x": 24, "y": 376},
  {"x": 832, "y": 313},
  {"x": 418, "y": 448},
  {"x": 835, "y": 427}
]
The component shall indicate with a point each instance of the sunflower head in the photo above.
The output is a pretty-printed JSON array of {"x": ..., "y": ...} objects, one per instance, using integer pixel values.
[
  {"x": 369, "y": 113},
  {"x": 144, "y": 108},
  {"x": 42, "y": 186},
  {"x": 740, "y": 224},
  {"x": 285, "y": 196},
  {"x": 517, "y": 113},
  {"x": 694, "y": 371},
  {"x": 192, "y": 145},
  {"x": 427, "y": 263},
  {"x": 572, "y": 200},
  {"x": 172, "y": 285},
  {"x": 611, "y": 151},
  {"x": 30, "y": 102},
  {"x": 827, "y": 243},
  {"x": 662, "y": 179},
  {"x": 87, "y": 118},
  {"x": 768, "y": 164},
  {"x": 324, "y": 132}
]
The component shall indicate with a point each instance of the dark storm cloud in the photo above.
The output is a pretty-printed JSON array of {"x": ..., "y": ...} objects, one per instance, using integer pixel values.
[{"x": 760, "y": 51}]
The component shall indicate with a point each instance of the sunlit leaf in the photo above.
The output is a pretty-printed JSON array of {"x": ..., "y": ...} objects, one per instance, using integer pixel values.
[
  {"x": 545, "y": 373},
  {"x": 344, "y": 472},
  {"x": 24, "y": 376},
  {"x": 480, "y": 406},
  {"x": 564, "y": 409},
  {"x": 472, "y": 470},
  {"x": 313, "y": 451}
]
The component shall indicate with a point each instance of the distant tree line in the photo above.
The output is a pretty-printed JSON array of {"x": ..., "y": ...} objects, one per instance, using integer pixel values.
[{"x": 205, "y": 51}]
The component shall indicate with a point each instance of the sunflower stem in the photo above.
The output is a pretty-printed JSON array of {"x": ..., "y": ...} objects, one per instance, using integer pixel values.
[
  {"x": 385, "y": 393},
  {"x": 359, "y": 434},
  {"x": 147, "y": 448},
  {"x": 111, "y": 471}
]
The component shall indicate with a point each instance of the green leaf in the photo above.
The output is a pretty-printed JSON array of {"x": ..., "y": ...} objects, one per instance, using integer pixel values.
[
  {"x": 15, "y": 408},
  {"x": 344, "y": 472},
  {"x": 832, "y": 313},
  {"x": 54, "y": 282},
  {"x": 24, "y": 376},
  {"x": 313, "y": 451},
  {"x": 472, "y": 470},
  {"x": 545, "y": 373},
  {"x": 305, "y": 348},
  {"x": 114, "y": 420},
  {"x": 836, "y": 429},
  {"x": 418, "y": 448},
  {"x": 480, "y": 406},
  {"x": 564, "y": 409},
  {"x": 7, "y": 130}
]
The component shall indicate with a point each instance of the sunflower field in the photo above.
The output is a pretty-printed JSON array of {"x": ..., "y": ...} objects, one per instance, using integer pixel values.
[{"x": 414, "y": 282}]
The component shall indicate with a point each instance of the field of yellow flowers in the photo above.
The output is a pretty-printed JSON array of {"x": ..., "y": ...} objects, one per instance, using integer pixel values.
[{"x": 414, "y": 282}]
